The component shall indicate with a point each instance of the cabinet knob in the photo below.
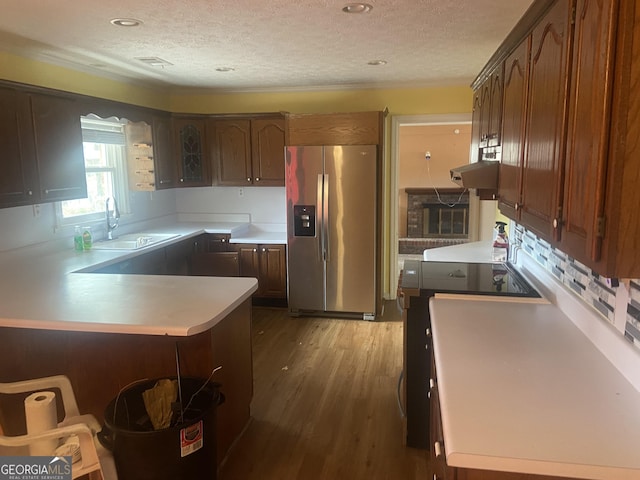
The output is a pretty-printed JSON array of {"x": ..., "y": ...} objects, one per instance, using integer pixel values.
[
  {"x": 426, "y": 347},
  {"x": 432, "y": 383},
  {"x": 427, "y": 332},
  {"x": 517, "y": 206},
  {"x": 255, "y": 250},
  {"x": 555, "y": 223},
  {"x": 249, "y": 179},
  {"x": 257, "y": 179},
  {"x": 264, "y": 250},
  {"x": 30, "y": 192},
  {"x": 182, "y": 180}
]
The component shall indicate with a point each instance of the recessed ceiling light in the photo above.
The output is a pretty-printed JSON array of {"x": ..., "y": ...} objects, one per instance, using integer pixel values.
[
  {"x": 225, "y": 69},
  {"x": 357, "y": 8},
  {"x": 125, "y": 22},
  {"x": 377, "y": 62}
]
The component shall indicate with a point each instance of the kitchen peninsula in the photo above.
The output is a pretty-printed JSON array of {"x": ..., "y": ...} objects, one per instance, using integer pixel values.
[{"x": 106, "y": 331}]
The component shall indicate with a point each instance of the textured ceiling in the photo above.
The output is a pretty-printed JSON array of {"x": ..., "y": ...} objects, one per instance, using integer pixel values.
[{"x": 270, "y": 44}]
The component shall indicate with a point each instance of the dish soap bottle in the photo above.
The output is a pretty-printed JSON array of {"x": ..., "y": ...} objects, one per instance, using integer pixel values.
[{"x": 500, "y": 250}]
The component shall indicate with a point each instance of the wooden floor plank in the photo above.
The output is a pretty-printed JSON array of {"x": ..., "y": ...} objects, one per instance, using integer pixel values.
[{"x": 324, "y": 402}]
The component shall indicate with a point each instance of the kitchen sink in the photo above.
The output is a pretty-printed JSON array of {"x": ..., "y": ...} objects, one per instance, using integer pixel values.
[{"x": 134, "y": 241}]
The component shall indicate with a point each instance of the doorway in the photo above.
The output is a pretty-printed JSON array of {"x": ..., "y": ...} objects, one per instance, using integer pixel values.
[{"x": 436, "y": 176}]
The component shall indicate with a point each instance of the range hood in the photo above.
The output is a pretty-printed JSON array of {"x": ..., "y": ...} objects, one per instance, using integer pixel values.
[{"x": 481, "y": 175}]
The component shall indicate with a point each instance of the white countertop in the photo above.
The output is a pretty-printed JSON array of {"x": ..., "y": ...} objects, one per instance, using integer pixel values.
[
  {"x": 523, "y": 389},
  {"x": 43, "y": 289}
]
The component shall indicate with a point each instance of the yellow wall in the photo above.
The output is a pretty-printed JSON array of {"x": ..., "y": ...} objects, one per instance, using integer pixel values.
[{"x": 407, "y": 101}]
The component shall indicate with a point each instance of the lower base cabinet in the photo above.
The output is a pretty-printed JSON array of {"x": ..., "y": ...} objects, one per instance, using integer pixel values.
[
  {"x": 267, "y": 263},
  {"x": 211, "y": 254}
]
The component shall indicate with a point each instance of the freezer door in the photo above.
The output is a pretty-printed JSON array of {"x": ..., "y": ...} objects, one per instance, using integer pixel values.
[
  {"x": 351, "y": 228},
  {"x": 303, "y": 170}
]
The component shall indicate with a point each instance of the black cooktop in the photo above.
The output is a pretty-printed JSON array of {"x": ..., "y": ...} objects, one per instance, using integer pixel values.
[{"x": 493, "y": 279}]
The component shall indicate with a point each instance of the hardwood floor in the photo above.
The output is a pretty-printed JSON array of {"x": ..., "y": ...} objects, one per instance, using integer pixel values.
[{"x": 324, "y": 404}]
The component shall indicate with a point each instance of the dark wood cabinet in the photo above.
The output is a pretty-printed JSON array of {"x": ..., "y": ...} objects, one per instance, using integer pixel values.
[
  {"x": 474, "y": 154},
  {"x": 166, "y": 172},
  {"x": 58, "y": 147},
  {"x": 588, "y": 127},
  {"x": 247, "y": 151},
  {"x": 516, "y": 76},
  {"x": 545, "y": 125},
  {"x": 190, "y": 150},
  {"x": 215, "y": 257},
  {"x": 267, "y": 151},
  {"x": 231, "y": 151},
  {"x": 490, "y": 108},
  {"x": 19, "y": 175},
  {"x": 267, "y": 263}
]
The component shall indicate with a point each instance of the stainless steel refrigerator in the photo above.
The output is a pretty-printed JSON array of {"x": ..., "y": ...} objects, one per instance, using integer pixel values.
[{"x": 332, "y": 200}]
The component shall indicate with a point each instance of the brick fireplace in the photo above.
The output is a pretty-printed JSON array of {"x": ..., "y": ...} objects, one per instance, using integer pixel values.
[{"x": 435, "y": 219}]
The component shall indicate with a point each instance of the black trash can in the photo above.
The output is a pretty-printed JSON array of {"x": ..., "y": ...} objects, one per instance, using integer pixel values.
[{"x": 184, "y": 451}]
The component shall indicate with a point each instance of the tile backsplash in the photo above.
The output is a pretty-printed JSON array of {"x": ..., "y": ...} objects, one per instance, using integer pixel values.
[{"x": 616, "y": 302}]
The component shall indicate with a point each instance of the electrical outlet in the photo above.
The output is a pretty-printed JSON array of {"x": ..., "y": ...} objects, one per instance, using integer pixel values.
[
  {"x": 241, "y": 192},
  {"x": 36, "y": 210}
]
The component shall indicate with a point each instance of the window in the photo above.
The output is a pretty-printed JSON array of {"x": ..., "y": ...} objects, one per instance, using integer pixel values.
[{"x": 105, "y": 165}]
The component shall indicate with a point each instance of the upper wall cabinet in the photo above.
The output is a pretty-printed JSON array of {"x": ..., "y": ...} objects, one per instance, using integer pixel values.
[
  {"x": 194, "y": 166},
  {"x": 535, "y": 90},
  {"x": 18, "y": 169},
  {"x": 247, "y": 151},
  {"x": 356, "y": 128},
  {"x": 516, "y": 77},
  {"x": 541, "y": 193},
  {"x": 58, "y": 147},
  {"x": 267, "y": 151},
  {"x": 166, "y": 171},
  {"x": 583, "y": 209},
  {"x": 570, "y": 173}
]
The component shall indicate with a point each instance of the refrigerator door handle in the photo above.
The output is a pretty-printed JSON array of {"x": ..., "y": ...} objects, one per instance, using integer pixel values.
[
  {"x": 325, "y": 218},
  {"x": 320, "y": 217}
]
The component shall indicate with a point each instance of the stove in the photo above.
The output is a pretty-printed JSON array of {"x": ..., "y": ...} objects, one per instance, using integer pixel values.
[{"x": 420, "y": 282}]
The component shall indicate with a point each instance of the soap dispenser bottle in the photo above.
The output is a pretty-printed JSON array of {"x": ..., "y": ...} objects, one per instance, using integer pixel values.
[{"x": 500, "y": 247}]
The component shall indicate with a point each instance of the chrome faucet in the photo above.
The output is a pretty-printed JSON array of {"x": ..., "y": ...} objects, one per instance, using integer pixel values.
[{"x": 111, "y": 226}]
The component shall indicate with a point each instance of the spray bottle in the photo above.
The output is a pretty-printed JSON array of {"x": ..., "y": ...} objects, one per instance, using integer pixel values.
[{"x": 500, "y": 250}]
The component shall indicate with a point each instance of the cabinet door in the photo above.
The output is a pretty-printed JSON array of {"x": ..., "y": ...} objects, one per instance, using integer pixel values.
[
  {"x": 249, "y": 261},
  {"x": 18, "y": 174},
  {"x": 495, "y": 108},
  {"x": 485, "y": 112},
  {"x": 273, "y": 271},
  {"x": 166, "y": 173},
  {"x": 476, "y": 127},
  {"x": 58, "y": 143},
  {"x": 178, "y": 257},
  {"x": 544, "y": 147},
  {"x": 191, "y": 152},
  {"x": 589, "y": 111},
  {"x": 267, "y": 151},
  {"x": 516, "y": 69},
  {"x": 231, "y": 151}
]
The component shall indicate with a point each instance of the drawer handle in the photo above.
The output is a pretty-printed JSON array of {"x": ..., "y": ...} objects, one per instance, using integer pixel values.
[{"x": 437, "y": 449}]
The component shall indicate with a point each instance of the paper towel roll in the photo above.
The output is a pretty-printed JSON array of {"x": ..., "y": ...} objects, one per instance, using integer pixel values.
[{"x": 41, "y": 414}]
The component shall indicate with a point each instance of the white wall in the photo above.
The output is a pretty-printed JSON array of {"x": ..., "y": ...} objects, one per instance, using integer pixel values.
[
  {"x": 20, "y": 227},
  {"x": 263, "y": 204}
]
